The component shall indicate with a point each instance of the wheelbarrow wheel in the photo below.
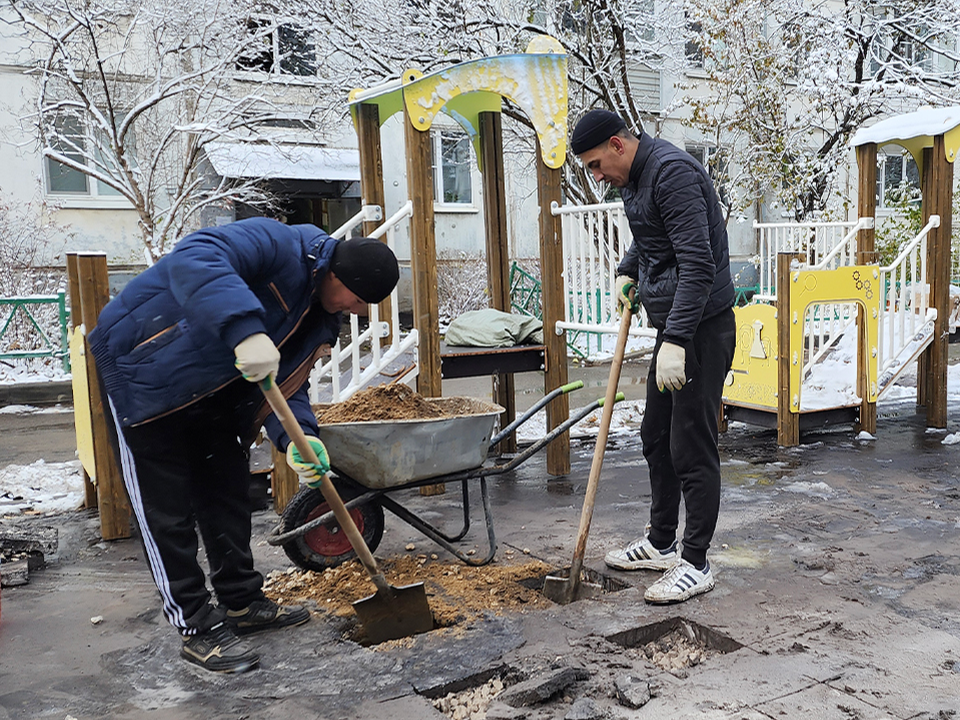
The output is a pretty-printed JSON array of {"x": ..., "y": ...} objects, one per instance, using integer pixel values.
[{"x": 327, "y": 546}]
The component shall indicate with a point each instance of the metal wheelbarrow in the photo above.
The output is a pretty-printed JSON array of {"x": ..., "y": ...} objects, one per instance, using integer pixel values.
[{"x": 372, "y": 459}]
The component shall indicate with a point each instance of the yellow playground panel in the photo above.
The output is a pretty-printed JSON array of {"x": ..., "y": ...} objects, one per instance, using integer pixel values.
[
  {"x": 81, "y": 403},
  {"x": 754, "y": 377},
  {"x": 752, "y": 381}
]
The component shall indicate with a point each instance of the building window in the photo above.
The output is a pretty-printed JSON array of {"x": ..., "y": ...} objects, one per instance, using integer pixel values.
[
  {"x": 67, "y": 140},
  {"x": 452, "y": 168},
  {"x": 71, "y": 140},
  {"x": 692, "y": 49},
  {"x": 279, "y": 50},
  {"x": 715, "y": 161},
  {"x": 898, "y": 180}
]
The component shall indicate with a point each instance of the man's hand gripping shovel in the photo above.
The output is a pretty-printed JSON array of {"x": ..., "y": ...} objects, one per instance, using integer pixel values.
[{"x": 392, "y": 612}]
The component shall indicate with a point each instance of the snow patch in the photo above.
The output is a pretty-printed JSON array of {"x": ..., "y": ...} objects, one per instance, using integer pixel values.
[
  {"x": 41, "y": 487},
  {"x": 815, "y": 489}
]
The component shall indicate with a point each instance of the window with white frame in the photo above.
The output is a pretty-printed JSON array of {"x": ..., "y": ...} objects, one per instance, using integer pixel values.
[
  {"x": 284, "y": 49},
  {"x": 452, "y": 167},
  {"x": 71, "y": 139},
  {"x": 898, "y": 180}
]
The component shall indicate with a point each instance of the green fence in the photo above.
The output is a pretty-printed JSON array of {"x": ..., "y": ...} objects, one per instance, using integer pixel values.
[
  {"x": 30, "y": 329},
  {"x": 525, "y": 298}
]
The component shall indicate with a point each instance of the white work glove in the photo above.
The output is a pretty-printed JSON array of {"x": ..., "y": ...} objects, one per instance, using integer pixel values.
[
  {"x": 625, "y": 284},
  {"x": 671, "y": 369},
  {"x": 257, "y": 357}
]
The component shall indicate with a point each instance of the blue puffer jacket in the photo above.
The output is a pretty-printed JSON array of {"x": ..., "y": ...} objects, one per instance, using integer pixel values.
[{"x": 167, "y": 339}]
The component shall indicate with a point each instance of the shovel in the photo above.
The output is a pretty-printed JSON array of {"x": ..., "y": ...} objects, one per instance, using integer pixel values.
[
  {"x": 564, "y": 590},
  {"x": 391, "y": 612}
]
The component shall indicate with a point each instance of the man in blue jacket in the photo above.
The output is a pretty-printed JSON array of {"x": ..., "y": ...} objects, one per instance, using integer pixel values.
[
  {"x": 179, "y": 352},
  {"x": 679, "y": 262}
]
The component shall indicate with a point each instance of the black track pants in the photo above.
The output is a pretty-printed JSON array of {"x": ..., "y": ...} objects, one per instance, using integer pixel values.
[
  {"x": 680, "y": 432},
  {"x": 188, "y": 472}
]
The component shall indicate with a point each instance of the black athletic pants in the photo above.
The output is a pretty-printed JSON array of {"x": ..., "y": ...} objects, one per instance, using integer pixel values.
[
  {"x": 184, "y": 473},
  {"x": 680, "y": 433}
]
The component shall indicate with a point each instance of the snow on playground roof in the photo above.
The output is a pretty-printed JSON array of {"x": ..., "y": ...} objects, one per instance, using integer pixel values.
[
  {"x": 288, "y": 162},
  {"x": 915, "y": 130}
]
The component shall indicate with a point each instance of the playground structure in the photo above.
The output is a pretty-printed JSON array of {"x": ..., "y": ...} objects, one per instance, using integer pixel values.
[{"x": 817, "y": 282}]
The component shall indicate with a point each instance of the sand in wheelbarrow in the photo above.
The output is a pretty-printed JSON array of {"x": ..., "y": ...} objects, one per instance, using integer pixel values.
[
  {"x": 390, "y": 402},
  {"x": 458, "y": 593}
]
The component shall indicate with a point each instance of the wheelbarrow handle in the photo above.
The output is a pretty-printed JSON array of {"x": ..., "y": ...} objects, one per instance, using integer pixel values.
[{"x": 281, "y": 409}]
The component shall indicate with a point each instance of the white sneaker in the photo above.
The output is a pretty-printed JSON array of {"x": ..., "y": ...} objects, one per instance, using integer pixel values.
[
  {"x": 642, "y": 555},
  {"x": 680, "y": 583}
]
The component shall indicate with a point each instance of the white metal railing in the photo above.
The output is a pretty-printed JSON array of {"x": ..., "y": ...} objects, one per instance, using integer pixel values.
[
  {"x": 379, "y": 356},
  {"x": 823, "y": 245},
  {"x": 904, "y": 299},
  {"x": 368, "y": 213},
  {"x": 823, "y": 325},
  {"x": 595, "y": 237}
]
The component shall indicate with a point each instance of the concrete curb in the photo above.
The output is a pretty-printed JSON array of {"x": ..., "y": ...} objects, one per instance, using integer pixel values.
[{"x": 37, "y": 394}]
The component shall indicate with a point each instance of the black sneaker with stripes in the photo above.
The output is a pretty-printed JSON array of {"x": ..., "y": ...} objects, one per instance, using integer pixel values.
[
  {"x": 266, "y": 615},
  {"x": 219, "y": 650}
]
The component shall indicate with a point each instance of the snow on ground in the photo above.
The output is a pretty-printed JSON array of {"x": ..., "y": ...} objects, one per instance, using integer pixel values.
[
  {"x": 626, "y": 419},
  {"x": 41, "y": 487},
  {"x": 31, "y": 410},
  {"x": 32, "y": 372}
]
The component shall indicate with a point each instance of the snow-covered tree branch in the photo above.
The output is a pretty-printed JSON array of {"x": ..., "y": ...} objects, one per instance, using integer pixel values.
[{"x": 131, "y": 93}]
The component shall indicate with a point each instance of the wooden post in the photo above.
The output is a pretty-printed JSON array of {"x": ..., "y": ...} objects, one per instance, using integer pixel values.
[
  {"x": 498, "y": 254},
  {"x": 551, "y": 279},
  {"x": 284, "y": 482},
  {"x": 371, "y": 181},
  {"x": 866, "y": 246},
  {"x": 111, "y": 494},
  {"x": 423, "y": 258},
  {"x": 423, "y": 262},
  {"x": 937, "y": 187},
  {"x": 788, "y": 423},
  {"x": 76, "y": 319}
]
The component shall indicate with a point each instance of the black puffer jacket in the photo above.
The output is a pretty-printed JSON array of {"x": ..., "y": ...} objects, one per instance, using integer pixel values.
[{"x": 679, "y": 254}]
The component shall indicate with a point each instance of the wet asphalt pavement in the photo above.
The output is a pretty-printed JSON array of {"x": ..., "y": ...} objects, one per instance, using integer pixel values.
[{"x": 838, "y": 596}]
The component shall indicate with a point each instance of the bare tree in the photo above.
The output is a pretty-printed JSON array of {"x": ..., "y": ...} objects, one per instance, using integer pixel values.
[
  {"x": 791, "y": 81},
  {"x": 132, "y": 93}
]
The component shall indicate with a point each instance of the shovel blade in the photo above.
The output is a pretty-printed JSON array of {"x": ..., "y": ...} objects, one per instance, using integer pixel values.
[
  {"x": 395, "y": 613},
  {"x": 564, "y": 591}
]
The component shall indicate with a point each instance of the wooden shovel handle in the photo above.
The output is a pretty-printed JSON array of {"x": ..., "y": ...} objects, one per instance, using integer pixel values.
[
  {"x": 282, "y": 410},
  {"x": 593, "y": 483}
]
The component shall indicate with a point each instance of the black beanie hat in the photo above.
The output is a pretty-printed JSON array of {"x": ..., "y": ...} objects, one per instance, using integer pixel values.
[
  {"x": 596, "y": 127},
  {"x": 367, "y": 267}
]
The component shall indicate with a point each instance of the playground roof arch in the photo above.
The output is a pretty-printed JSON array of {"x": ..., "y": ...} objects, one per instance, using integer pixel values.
[
  {"x": 536, "y": 81},
  {"x": 915, "y": 131}
]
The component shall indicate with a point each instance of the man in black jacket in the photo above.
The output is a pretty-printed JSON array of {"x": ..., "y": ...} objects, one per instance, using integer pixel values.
[{"x": 679, "y": 263}]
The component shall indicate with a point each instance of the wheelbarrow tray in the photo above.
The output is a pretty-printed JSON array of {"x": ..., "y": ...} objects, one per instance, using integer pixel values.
[{"x": 382, "y": 454}]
